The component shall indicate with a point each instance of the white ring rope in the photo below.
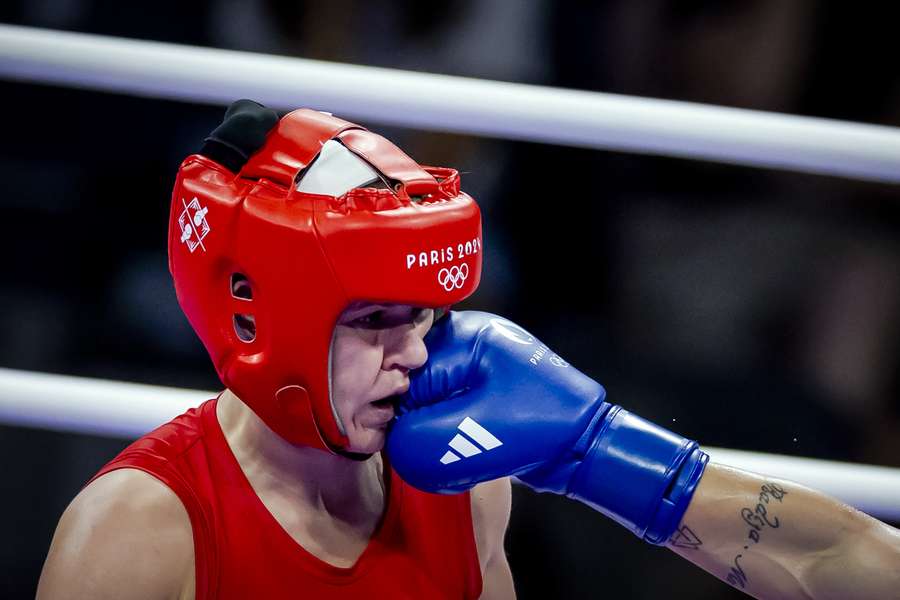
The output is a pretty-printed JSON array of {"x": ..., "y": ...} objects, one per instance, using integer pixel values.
[
  {"x": 127, "y": 410},
  {"x": 91, "y": 406},
  {"x": 457, "y": 104}
]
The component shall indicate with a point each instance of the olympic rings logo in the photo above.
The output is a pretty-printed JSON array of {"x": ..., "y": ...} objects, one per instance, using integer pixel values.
[
  {"x": 454, "y": 277},
  {"x": 558, "y": 361}
]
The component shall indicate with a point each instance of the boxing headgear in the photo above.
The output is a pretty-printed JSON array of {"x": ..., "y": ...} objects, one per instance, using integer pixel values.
[{"x": 265, "y": 257}]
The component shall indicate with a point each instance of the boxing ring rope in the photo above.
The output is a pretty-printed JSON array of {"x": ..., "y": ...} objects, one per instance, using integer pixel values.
[
  {"x": 129, "y": 410},
  {"x": 437, "y": 102},
  {"x": 456, "y": 104}
]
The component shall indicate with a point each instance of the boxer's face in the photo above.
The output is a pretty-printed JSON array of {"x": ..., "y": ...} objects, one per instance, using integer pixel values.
[{"x": 375, "y": 346}]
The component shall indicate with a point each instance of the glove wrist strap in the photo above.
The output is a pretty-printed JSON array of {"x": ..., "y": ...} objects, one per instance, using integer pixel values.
[{"x": 639, "y": 474}]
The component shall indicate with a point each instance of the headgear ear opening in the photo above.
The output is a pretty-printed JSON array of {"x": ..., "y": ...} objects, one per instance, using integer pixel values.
[
  {"x": 240, "y": 287},
  {"x": 244, "y": 323}
]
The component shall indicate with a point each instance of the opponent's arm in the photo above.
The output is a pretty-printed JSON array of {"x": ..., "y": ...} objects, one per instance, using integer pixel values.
[
  {"x": 126, "y": 535},
  {"x": 491, "y": 504},
  {"x": 776, "y": 539}
]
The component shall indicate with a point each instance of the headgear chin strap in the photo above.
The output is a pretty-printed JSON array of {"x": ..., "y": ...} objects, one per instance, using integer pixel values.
[{"x": 263, "y": 270}]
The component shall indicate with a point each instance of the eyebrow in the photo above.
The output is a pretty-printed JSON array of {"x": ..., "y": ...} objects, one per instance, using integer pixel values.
[{"x": 393, "y": 311}]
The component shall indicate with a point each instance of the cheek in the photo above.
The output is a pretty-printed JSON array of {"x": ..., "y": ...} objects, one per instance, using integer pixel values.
[{"x": 355, "y": 363}]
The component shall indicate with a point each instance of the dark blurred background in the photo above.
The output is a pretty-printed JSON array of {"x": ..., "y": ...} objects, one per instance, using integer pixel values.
[{"x": 747, "y": 308}]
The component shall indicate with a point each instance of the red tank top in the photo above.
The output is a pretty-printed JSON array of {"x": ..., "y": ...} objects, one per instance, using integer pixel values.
[{"x": 423, "y": 548}]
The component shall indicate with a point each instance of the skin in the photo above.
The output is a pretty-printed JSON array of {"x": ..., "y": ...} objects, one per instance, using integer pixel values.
[
  {"x": 327, "y": 503},
  {"x": 776, "y": 539}
]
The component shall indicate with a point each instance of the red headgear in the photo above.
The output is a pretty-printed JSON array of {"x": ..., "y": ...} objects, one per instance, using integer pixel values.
[{"x": 415, "y": 239}]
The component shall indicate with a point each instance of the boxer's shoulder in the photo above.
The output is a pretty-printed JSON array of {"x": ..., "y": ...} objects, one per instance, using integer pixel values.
[{"x": 118, "y": 517}]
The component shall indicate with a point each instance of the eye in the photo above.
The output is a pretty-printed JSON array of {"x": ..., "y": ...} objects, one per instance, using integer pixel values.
[
  {"x": 393, "y": 316},
  {"x": 372, "y": 320}
]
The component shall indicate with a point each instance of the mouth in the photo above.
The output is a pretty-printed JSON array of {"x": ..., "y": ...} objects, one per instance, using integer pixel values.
[
  {"x": 384, "y": 402},
  {"x": 382, "y": 411}
]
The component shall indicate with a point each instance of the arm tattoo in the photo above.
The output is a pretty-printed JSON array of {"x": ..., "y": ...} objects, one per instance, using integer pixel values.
[
  {"x": 685, "y": 538},
  {"x": 736, "y": 575},
  {"x": 757, "y": 518}
]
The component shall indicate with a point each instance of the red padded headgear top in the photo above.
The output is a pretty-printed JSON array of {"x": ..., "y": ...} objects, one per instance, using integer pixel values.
[{"x": 307, "y": 257}]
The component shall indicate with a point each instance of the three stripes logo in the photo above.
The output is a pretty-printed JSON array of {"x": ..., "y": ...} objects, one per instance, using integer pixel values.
[{"x": 472, "y": 439}]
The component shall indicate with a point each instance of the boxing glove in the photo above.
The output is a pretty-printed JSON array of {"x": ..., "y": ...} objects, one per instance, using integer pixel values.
[{"x": 492, "y": 401}]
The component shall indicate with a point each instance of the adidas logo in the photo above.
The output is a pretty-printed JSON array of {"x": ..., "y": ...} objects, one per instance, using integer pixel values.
[{"x": 475, "y": 439}]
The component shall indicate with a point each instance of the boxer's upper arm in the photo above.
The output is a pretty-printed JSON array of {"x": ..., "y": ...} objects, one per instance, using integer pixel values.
[
  {"x": 126, "y": 535},
  {"x": 491, "y": 505}
]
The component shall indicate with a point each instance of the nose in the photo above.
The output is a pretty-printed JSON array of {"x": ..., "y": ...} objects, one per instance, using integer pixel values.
[{"x": 404, "y": 349}]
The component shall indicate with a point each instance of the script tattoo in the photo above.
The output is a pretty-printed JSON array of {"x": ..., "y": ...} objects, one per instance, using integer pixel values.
[
  {"x": 736, "y": 575},
  {"x": 685, "y": 538},
  {"x": 757, "y": 518}
]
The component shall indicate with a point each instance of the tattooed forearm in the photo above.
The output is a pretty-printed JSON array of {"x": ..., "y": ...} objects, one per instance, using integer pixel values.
[
  {"x": 757, "y": 518},
  {"x": 685, "y": 538}
]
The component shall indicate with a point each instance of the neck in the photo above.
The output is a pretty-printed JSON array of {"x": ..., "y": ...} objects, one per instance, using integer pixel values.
[{"x": 318, "y": 479}]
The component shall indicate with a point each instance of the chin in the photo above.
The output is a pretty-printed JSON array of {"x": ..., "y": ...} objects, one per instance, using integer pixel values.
[{"x": 368, "y": 442}]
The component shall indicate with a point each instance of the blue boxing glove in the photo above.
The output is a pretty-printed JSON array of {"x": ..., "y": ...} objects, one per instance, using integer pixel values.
[{"x": 492, "y": 401}]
